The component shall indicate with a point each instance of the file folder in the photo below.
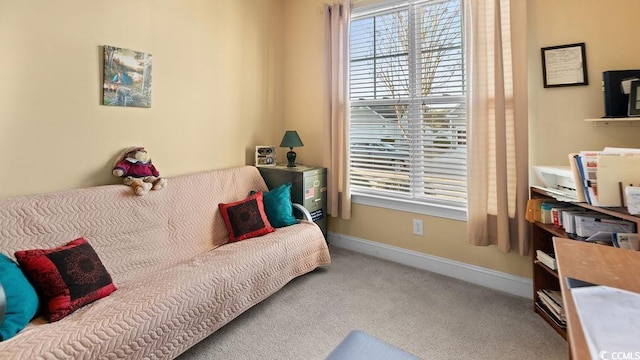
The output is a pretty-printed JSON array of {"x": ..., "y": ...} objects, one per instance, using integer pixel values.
[{"x": 615, "y": 171}]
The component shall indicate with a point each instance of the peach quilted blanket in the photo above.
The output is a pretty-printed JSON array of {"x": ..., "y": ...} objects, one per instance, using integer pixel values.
[{"x": 178, "y": 281}]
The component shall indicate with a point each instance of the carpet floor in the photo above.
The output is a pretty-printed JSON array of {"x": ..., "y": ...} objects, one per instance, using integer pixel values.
[{"x": 429, "y": 315}]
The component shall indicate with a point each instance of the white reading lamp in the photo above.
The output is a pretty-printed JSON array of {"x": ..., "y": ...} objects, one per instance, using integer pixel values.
[{"x": 291, "y": 140}]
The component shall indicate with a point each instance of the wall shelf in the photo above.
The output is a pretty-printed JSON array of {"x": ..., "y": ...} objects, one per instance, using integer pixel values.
[{"x": 623, "y": 121}]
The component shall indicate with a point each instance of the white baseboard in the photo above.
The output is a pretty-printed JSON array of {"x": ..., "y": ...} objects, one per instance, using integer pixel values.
[{"x": 515, "y": 285}]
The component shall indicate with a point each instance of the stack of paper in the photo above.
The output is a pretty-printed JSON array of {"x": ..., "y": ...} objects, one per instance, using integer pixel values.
[
  {"x": 550, "y": 302},
  {"x": 610, "y": 320},
  {"x": 552, "y": 299}
]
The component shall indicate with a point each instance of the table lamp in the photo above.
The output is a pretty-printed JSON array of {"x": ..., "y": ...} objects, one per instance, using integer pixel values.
[{"x": 291, "y": 140}]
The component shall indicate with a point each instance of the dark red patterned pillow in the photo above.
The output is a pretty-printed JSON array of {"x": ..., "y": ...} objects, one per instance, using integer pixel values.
[
  {"x": 246, "y": 218},
  {"x": 67, "y": 277}
]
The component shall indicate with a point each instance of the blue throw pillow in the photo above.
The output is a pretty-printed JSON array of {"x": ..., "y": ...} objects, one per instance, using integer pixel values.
[
  {"x": 22, "y": 300},
  {"x": 277, "y": 205}
]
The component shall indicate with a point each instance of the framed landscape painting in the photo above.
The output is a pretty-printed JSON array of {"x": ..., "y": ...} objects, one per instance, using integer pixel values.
[{"x": 127, "y": 78}]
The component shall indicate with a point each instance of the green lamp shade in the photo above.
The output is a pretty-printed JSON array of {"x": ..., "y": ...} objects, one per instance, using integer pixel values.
[{"x": 291, "y": 139}]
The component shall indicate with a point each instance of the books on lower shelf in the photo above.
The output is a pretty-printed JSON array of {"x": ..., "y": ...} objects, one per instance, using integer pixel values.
[
  {"x": 557, "y": 216},
  {"x": 584, "y": 223},
  {"x": 548, "y": 259},
  {"x": 556, "y": 320},
  {"x": 589, "y": 224},
  {"x": 550, "y": 301}
]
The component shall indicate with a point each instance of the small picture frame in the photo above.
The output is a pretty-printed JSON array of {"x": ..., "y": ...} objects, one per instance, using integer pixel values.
[
  {"x": 634, "y": 98},
  {"x": 127, "y": 78},
  {"x": 265, "y": 155},
  {"x": 564, "y": 65}
]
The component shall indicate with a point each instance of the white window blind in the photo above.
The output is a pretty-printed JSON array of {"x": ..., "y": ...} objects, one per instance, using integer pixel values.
[{"x": 408, "y": 103}]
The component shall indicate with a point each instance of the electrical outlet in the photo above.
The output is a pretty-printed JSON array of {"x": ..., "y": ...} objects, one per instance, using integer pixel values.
[{"x": 418, "y": 227}]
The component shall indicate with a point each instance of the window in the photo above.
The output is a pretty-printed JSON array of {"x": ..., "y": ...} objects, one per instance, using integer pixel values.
[{"x": 408, "y": 106}]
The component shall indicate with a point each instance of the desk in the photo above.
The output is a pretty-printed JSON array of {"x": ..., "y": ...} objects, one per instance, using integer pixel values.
[{"x": 598, "y": 264}]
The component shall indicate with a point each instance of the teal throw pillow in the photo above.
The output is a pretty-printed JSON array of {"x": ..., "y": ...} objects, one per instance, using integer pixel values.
[
  {"x": 277, "y": 205},
  {"x": 21, "y": 298}
]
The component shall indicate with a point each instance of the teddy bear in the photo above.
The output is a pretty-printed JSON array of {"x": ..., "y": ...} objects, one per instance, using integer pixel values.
[{"x": 134, "y": 165}]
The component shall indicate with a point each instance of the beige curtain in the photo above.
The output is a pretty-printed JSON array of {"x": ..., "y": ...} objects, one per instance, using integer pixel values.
[
  {"x": 497, "y": 127},
  {"x": 336, "y": 122}
]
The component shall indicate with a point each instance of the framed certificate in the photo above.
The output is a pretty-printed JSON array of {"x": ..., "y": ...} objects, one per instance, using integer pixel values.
[{"x": 564, "y": 65}]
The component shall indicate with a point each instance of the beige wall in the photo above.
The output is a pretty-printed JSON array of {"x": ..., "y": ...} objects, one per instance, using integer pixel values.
[
  {"x": 557, "y": 126},
  {"x": 217, "y": 84},
  {"x": 556, "y": 122},
  {"x": 304, "y": 76},
  {"x": 229, "y": 75}
]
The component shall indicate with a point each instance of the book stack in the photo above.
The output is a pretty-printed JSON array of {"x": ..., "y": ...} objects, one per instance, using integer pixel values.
[
  {"x": 548, "y": 259},
  {"x": 583, "y": 223},
  {"x": 546, "y": 210},
  {"x": 556, "y": 214},
  {"x": 589, "y": 224},
  {"x": 550, "y": 301}
]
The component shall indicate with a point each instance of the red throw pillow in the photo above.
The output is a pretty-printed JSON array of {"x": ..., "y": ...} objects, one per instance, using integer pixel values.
[
  {"x": 67, "y": 277},
  {"x": 246, "y": 218}
]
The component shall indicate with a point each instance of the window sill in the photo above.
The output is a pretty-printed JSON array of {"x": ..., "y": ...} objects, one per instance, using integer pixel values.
[{"x": 411, "y": 206}]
